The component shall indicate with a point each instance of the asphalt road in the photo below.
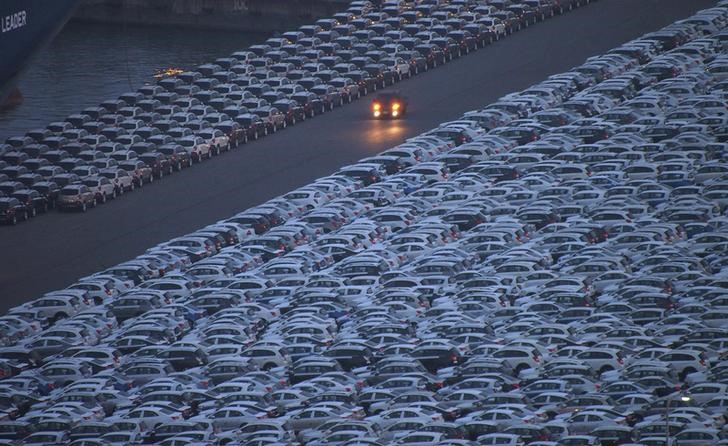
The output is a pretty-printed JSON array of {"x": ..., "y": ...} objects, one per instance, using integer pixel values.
[{"x": 54, "y": 250}]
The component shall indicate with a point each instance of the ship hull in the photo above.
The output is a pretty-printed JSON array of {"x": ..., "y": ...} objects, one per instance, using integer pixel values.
[{"x": 26, "y": 26}]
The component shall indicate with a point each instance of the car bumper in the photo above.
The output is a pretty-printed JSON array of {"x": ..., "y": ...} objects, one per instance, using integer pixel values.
[{"x": 70, "y": 204}]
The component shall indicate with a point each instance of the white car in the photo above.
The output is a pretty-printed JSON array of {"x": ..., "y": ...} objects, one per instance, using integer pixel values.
[{"x": 196, "y": 146}]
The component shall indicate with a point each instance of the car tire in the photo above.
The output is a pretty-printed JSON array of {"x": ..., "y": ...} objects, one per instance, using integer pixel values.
[
  {"x": 45, "y": 207},
  {"x": 179, "y": 166},
  {"x": 83, "y": 207},
  {"x": 94, "y": 203},
  {"x": 103, "y": 198},
  {"x": 151, "y": 179},
  {"x": 285, "y": 124},
  {"x": 33, "y": 212},
  {"x": 113, "y": 194},
  {"x": 131, "y": 187},
  {"x": 14, "y": 220}
]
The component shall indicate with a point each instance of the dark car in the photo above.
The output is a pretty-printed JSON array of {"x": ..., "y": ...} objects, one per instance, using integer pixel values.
[
  {"x": 34, "y": 202},
  {"x": 176, "y": 154},
  {"x": 159, "y": 162},
  {"x": 392, "y": 105},
  {"x": 436, "y": 357},
  {"x": 292, "y": 111},
  {"x": 49, "y": 190},
  {"x": 253, "y": 125},
  {"x": 12, "y": 210}
]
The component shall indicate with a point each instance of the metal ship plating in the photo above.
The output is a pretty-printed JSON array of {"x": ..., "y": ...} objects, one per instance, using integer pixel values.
[{"x": 25, "y": 27}]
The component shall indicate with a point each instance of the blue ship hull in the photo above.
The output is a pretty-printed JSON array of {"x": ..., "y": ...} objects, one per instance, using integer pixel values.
[{"x": 25, "y": 27}]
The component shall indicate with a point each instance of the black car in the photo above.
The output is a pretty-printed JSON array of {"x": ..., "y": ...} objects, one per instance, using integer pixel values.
[
  {"x": 291, "y": 109},
  {"x": 253, "y": 125},
  {"x": 159, "y": 162},
  {"x": 310, "y": 102},
  {"x": 176, "y": 154},
  {"x": 34, "y": 202},
  {"x": 12, "y": 210},
  {"x": 49, "y": 190},
  {"x": 391, "y": 104}
]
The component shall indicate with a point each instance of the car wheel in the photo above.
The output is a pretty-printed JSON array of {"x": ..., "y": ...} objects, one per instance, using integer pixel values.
[
  {"x": 45, "y": 207},
  {"x": 103, "y": 198},
  {"x": 285, "y": 124},
  {"x": 14, "y": 220},
  {"x": 132, "y": 186},
  {"x": 83, "y": 207},
  {"x": 113, "y": 194},
  {"x": 33, "y": 212},
  {"x": 265, "y": 131},
  {"x": 275, "y": 128},
  {"x": 151, "y": 179},
  {"x": 293, "y": 120},
  {"x": 170, "y": 170},
  {"x": 179, "y": 165},
  {"x": 94, "y": 203}
]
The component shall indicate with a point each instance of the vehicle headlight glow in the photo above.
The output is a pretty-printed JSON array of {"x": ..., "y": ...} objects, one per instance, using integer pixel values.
[
  {"x": 395, "y": 106},
  {"x": 377, "y": 106}
]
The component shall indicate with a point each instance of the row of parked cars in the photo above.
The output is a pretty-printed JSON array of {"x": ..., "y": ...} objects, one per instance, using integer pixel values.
[
  {"x": 548, "y": 270},
  {"x": 183, "y": 119}
]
